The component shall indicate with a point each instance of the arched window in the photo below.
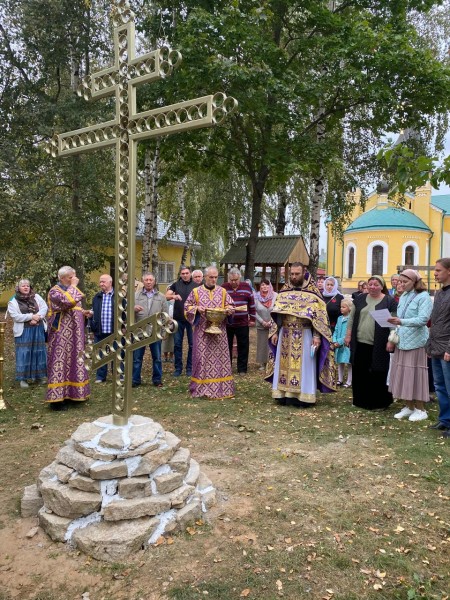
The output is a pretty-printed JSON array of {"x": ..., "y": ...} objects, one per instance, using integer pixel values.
[
  {"x": 377, "y": 260},
  {"x": 409, "y": 255},
  {"x": 351, "y": 262}
]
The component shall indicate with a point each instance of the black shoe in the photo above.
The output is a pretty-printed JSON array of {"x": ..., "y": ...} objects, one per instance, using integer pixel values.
[
  {"x": 446, "y": 434},
  {"x": 281, "y": 401},
  {"x": 135, "y": 384},
  {"x": 177, "y": 373},
  {"x": 59, "y": 406},
  {"x": 158, "y": 384},
  {"x": 299, "y": 403},
  {"x": 440, "y": 426}
]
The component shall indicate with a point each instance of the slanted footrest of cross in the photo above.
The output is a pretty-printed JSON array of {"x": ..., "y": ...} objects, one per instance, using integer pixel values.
[{"x": 146, "y": 331}]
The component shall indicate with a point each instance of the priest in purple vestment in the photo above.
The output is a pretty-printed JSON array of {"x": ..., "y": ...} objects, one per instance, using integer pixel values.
[
  {"x": 211, "y": 364},
  {"x": 67, "y": 376}
]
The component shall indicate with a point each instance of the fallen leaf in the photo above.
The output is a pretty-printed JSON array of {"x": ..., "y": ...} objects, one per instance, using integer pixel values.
[
  {"x": 160, "y": 540},
  {"x": 279, "y": 585},
  {"x": 245, "y": 593}
]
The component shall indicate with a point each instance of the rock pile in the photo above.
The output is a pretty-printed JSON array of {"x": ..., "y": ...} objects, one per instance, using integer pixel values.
[{"x": 114, "y": 489}]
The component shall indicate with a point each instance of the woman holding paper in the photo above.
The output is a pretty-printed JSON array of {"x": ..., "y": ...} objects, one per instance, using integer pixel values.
[
  {"x": 368, "y": 344},
  {"x": 409, "y": 370}
]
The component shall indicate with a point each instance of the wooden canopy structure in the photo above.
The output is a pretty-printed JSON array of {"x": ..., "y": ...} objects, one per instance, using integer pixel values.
[{"x": 276, "y": 252}]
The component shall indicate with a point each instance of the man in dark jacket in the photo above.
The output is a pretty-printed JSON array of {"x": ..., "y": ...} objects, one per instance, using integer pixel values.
[
  {"x": 438, "y": 345},
  {"x": 179, "y": 291},
  {"x": 102, "y": 317},
  {"x": 245, "y": 315}
]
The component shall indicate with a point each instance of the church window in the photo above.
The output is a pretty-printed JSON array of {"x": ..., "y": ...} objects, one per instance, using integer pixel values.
[
  {"x": 409, "y": 255},
  {"x": 377, "y": 260},
  {"x": 351, "y": 262}
]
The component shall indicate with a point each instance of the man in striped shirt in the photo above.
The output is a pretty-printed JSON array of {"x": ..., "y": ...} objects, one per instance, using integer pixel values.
[{"x": 244, "y": 302}]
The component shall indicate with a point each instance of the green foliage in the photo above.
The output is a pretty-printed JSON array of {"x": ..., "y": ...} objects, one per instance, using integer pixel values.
[
  {"x": 54, "y": 212},
  {"x": 363, "y": 67}
]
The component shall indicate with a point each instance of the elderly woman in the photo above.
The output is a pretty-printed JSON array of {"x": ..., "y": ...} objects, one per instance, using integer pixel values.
[
  {"x": 409, "y": 372},
  {"x": 368, "y": 343},
  {"x": 67, "y": 376},
  {"x": 333, "y": 300},
  {"x": 27, "y": 309},
  {"x": 264, "y": 301}
]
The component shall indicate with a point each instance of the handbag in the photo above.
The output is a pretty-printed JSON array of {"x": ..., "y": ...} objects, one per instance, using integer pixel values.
[{"x": 394, "y": 337}]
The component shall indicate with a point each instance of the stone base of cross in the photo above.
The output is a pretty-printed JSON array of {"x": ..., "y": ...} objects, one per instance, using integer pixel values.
[{"x": 124, "y": 132}]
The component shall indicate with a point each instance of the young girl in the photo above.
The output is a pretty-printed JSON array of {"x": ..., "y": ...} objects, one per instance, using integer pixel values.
[{"x": 342, "y": 352}]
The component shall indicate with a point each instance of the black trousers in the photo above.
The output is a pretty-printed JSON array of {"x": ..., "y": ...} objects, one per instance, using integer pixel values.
[{"x": 242, "y": 338}]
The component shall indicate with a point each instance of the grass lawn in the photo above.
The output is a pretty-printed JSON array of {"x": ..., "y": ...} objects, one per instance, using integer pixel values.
[{"x": 326, "y": 503}]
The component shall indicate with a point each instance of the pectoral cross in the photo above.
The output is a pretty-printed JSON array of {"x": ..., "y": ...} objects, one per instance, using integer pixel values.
[{"x": 124, "y": 132}]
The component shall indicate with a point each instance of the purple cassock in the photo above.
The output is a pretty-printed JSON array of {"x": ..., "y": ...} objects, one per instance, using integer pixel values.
[
  {"x": 67, "y": 375},
  {"x": 211, "y": 364}
]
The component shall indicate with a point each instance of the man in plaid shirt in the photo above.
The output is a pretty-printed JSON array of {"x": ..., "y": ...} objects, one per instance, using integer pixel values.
[{"x": 102, "y": 317}]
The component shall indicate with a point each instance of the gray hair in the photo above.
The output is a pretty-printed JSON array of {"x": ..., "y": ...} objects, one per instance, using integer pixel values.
[
  {"x": 147, "y": 274},
  {"x": 197, "y": 272},
  {"x": 66, "y": 270},
  {"x": 208, "y": 269},
  {"x": 234, "y": 271},
  {"x": 21, "y": 282}
]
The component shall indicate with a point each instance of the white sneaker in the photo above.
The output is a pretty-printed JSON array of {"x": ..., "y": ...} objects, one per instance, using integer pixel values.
[
  {"x": 405, "y": 412},
  {"x": 419, "y": 415},
  {"x": 24, "y": 384}
]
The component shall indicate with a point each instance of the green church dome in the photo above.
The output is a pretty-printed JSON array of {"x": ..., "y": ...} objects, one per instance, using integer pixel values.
[{"x": 387, "y": 218}]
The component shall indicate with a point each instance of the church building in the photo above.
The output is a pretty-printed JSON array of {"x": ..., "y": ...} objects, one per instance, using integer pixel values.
[{"x": 382, "y": 238}]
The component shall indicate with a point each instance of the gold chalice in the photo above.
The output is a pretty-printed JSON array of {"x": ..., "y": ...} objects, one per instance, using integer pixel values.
[{"x": 215, "y": 316}]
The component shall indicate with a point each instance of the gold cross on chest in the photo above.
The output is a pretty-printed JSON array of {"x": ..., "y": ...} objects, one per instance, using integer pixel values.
[{"x": 124, "y": 132}]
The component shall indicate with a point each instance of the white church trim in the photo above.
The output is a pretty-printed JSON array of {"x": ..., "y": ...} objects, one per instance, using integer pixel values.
[
  {"x": 350, "y": 245},
  {"x": 370, "y": 248},
  {"x": 416, "y": 252}
]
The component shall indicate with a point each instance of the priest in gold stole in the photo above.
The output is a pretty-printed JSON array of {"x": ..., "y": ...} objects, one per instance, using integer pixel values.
[{"x": 301, "y": 358}]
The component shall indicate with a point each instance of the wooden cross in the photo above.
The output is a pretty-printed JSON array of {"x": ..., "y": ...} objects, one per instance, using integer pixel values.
[{"x": 124, "y": 132}]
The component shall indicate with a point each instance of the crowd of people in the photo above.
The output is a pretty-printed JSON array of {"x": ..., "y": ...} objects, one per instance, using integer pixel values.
[{"x": 384, "y": 344}]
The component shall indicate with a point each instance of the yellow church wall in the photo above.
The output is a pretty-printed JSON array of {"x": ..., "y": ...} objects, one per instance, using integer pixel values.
[{"x": 392, "y": 240}]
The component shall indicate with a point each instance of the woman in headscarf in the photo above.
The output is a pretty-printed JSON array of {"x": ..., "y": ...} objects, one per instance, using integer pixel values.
[
  {"x": 368, "y": 343},
  {"x": 333, "y": 300},
  {"x": 409, "y": 372},
  {"x": 264, "y": 301},
  {"x": 28, "y": 310}
]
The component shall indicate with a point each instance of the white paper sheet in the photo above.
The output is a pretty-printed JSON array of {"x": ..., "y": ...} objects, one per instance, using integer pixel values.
[{"x": 381, "y": 317}]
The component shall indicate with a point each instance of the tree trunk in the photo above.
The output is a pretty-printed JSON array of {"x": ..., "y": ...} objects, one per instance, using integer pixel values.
[
  {"x": 184, "y": 228},
  {"x": 319, "y": 186},
  {"x": 150, "y": 239},
  {"x": 283, "y": 200},
  {"x": 316, "y": 206},
  {"x": 155, "y": 198},
  {"x": 75, "y": 186},
  {"x": 231, "y": 228},
  {"x": 257, "y": 197}
]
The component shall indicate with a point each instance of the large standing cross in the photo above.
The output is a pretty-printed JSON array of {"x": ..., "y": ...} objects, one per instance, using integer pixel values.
[{"x": 124, "y": 131}]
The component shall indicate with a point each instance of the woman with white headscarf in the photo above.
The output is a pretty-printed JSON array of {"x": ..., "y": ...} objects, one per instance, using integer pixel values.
[
  {"x": 408, "y": 378},
  {"x": 333, "y": 300}
]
